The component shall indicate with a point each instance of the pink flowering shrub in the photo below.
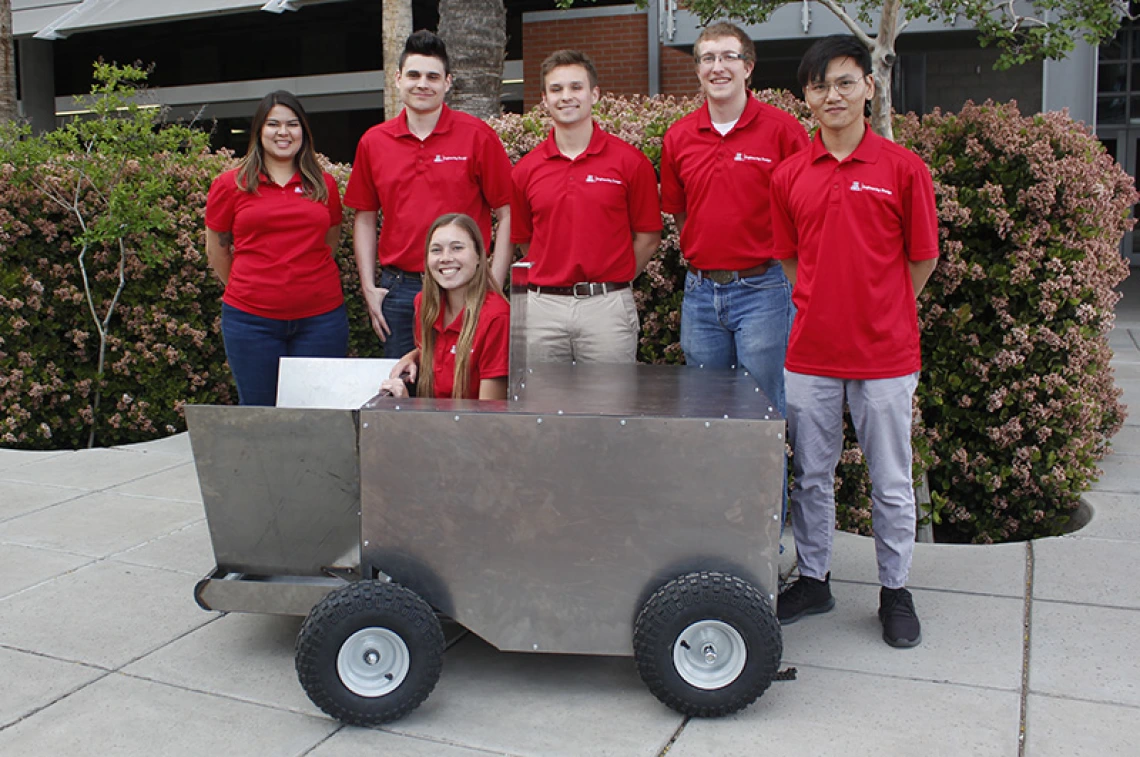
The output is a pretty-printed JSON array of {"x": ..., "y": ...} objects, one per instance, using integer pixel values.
[
  {"x": 1017, "y": 395},
  {"x": 163, "y": 349}
]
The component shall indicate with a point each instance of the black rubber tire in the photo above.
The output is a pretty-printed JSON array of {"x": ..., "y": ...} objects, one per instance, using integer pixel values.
[
  {"x": 368, "y": 604},
  {"x": 707, "y": 596}
]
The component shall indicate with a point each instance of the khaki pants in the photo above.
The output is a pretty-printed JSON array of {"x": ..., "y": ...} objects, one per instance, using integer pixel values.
[{"x": 599, "y": 329}]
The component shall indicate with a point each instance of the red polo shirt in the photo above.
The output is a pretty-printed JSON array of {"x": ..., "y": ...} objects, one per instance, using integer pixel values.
[
  {"x": 721, "y": 182},
  {"x": 854, "y": 226},
  {"x": 579, "y": 215},
  {"x": 460, "y": 168},
  {"x": 282, "y": 267},
  {"x": 489, "y": 351}
]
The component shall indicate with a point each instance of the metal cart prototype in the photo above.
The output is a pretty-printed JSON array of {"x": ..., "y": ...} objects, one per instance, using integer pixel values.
[{"x": 601, "y": 510}]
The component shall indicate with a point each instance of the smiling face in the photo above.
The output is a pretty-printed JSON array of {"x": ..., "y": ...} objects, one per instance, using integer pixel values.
[
  {"x": 568, "y": 96},
  {"x": 839, "y": 100},
  {"x": 281, "y": 134},
  {"x": 423, "y": 83},
  {"x": 452, "y": 258},
  {"x": 723, "y": 79}
]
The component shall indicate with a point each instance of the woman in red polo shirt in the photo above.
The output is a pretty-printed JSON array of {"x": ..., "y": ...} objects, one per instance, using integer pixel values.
[
  {"x": 462, "y": 325},
  {"x": 271, "y": 226}
]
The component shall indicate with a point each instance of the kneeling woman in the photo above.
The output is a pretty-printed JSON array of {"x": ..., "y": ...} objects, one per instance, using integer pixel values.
[{"x": 462, "y": 320}]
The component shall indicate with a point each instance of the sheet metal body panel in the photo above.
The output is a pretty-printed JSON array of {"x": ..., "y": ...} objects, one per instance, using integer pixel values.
[
  {"x": 280, "y": 487},
  {"x": 542, "y": 531}
]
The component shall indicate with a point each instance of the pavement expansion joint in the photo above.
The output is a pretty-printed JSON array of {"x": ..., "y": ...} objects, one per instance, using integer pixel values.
[{"x": 1025, "y": 639}]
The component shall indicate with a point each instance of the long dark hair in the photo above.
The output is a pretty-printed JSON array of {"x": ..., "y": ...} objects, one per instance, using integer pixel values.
[
  {"x": 430, "y": 306},
  {"x": 252, "y": 166}
]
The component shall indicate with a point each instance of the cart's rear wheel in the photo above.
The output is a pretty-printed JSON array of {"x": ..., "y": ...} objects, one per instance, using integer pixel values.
[
  {"x": 369, "y": 653},
  {"x": 707, "y": 644}
]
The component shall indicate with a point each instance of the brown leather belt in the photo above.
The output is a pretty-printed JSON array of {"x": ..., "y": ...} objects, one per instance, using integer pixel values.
[
  {"x": 726, "y": 277},
  {"x": 582, "y": 289}
]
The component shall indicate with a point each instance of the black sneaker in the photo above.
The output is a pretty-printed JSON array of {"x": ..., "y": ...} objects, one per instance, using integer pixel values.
[
  {"x": 807, "y": 596},
  {"x": 900, "y": 622}
]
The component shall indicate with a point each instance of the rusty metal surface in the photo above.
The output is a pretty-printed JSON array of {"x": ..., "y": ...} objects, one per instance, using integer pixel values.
[
  {"x": 546, "y": 532},
  {"x": 280, "y": 487}
]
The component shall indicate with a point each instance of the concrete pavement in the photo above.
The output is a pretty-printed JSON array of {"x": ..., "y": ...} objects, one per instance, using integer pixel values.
[{"x": 1028, "y": 649}]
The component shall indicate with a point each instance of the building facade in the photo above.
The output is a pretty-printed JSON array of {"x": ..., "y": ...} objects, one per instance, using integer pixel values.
[{"x": 214, "y": 59}]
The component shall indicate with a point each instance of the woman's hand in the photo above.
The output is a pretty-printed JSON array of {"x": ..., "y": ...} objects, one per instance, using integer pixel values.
[
  {"x": 394, "y": 386},
  {"x": 408, "y": 367}
]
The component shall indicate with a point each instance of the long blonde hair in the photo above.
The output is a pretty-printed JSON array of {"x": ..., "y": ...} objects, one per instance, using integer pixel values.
[
  {"x": 252, "y": 166},
  {"x": 430, "y": 305}
]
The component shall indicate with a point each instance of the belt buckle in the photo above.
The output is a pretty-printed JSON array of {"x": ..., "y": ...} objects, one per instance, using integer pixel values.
[
  {"x": 589, "y": 286},
  {"x": 721, "y": 277}
]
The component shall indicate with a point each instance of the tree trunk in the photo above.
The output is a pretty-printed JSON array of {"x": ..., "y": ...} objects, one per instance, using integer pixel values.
[
  {"x": 8, "y": 110},
  {"x": 475, "y": 32},
  {"x": 396, "y": 22},
  {"x": 882, "y": 64}
]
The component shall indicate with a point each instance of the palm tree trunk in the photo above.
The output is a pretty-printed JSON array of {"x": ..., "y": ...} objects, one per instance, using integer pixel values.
[
  {"x": 8, "y": 110},
  {"x": 396, "y": 22},
  {"x": 476, "y": 35}
]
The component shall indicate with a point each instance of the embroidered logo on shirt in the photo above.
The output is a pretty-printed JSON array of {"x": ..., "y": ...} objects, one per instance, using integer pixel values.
[
  {"x": 445, "y": 158},
  {"x": 298, "y": 190},
  {"x": 857, "y": 186},
  {"x": 453, "y": 349},
  {"x": 592, "y": 179},
  {"x": 743, "y": 157}
]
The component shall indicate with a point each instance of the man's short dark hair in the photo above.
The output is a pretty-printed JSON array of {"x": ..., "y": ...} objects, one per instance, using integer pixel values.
[
  {"x": 428, "y": 44},
  {"x": 813, "y": 67},
  {"x": 568, "y": 58}
]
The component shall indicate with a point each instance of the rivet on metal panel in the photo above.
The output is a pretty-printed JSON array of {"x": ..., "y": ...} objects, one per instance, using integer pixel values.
[
  {"x": 530, "y": 370},
  {"x": 746, "y": 373},
  {"x": 775, "y": 517},
  {"x": 457, "y": 419},
  {"x": 771, "y": 597},
  {"x": 365, "y": 425},
  {"x": 726, "y": 417},
  {"x": 779, "y": 436},
  {"x": 757, "y": 388},
  {"x": 366, "y": 542},
  {"x": 765, "y": 416},
  {"x": 516, "y": 398},
  {"x": 397, "y": 407},
  {"x": 707, "y": 424},
  {"x": 522, "y": 385},
  {"x": 540, "y": 420},
  {"x": 535, "y": 647},
  {"x": 560, "y": 412},
  {"x": 623, "y": 422},
  {"x": 733, "y": 366},
  {"x": 769, "y": 408}
]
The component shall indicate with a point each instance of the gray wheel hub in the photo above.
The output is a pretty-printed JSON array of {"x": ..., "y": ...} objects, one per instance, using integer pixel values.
[
  {"x": 709, "y": 654},
  {"x": 373, "y": 662}
]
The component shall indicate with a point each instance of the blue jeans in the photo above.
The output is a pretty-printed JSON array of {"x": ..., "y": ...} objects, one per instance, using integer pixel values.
[
  {"x": 399, "y": 310},
  {"x": 254, "y": 345},
  {"x": 745, "y": 323}
]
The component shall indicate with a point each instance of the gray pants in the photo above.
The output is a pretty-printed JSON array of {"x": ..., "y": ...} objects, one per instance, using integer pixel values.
[{"x": 881, "y": 412}]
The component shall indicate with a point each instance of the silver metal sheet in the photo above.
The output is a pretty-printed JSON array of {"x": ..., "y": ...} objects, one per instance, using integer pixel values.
[
  {"x": 283, "y": 595},
  {"x": 547, "y": 532},
  {"x": 280, "y": 487}
]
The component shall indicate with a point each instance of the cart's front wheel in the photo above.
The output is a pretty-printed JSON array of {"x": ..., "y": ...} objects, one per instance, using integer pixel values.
[
  {"x": 707, "y": 644},
  {"x": 369, "y": 653}
]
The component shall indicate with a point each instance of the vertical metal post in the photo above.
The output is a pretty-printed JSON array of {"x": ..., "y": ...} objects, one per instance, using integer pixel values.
[{"x": 654, "y": 42}]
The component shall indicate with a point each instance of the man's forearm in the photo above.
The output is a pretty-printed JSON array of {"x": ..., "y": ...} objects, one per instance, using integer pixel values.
[
  {"x": 504, "y": 252},
  {"x": 920, "y": 271},
  {"x": 364, "y": 247}
]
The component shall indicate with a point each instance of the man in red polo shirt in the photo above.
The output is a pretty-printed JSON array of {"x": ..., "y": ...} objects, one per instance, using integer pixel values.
[
  {"x": 586, "y": 212},
  {"x": 855, "y": 226},
  {"x": 716, "y": 165},
  {"x": 427, "y": 161}
]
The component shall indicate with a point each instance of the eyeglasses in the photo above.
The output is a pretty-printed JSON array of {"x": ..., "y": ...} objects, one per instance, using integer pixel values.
[
  {"x": 709, "y": 59},
  {"x": 822, "y": 88}
]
